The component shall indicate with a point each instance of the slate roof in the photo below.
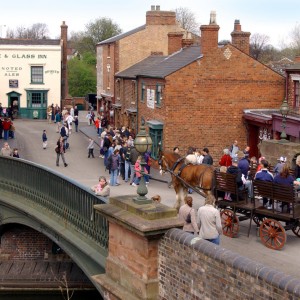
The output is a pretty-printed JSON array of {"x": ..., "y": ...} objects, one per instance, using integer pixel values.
[
  {"x": 172, "y": 63},
  {"x": 29, "y": 42},
  {"x": 138, "y": 68},
  {"x": 122, "y": 35}
]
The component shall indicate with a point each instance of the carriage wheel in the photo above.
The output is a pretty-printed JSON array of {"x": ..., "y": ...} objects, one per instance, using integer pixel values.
[
  {"x": 296, "y": 229},
  {"x": 272, "y": 234},
  {"x": 230, "y": 223}
]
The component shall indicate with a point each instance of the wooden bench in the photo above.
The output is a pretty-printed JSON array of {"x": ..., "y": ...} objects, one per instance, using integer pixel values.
[
  {"x": 279, "y": 194},
  {"x": 227, "y": 183}
]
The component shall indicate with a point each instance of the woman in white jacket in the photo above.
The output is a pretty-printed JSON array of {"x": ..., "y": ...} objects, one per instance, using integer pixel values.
[{"x": 188, "y": 215}]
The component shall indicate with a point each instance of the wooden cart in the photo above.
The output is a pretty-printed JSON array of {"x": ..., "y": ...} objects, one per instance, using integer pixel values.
[{"x": 272, "y": 223}]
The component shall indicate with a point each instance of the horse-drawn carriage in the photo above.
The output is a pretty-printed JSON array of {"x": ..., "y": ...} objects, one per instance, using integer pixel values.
[{"x": 272, "y": 223}]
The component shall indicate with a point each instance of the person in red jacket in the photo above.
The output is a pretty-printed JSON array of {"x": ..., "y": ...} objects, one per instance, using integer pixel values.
[
  {"x": 6, "y": 126},
  {"x": 225, "y": 159}
]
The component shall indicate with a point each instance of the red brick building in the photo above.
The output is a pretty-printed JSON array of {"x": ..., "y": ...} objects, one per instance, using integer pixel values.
[
  {"x": 197, "y": 96},
  {"x": 124, "y": 50}
]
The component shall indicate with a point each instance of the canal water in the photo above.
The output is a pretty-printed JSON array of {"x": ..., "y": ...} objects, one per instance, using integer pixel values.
[{"x": 78, "y": 295}]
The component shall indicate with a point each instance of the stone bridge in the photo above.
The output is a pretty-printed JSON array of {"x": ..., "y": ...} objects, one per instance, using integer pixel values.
[{"x": 58, "y": 207}]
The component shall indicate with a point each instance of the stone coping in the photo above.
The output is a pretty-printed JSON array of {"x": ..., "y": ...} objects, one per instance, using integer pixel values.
[{"x": 146, "y": 219}]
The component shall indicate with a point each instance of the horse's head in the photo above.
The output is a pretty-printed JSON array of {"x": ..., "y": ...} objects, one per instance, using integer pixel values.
[
  {"x": 162, "y": 163},
  {"x": 166, "y": 160}
]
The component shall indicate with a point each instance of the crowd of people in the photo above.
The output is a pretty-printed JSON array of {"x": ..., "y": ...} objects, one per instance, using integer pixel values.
[
  {"x": 248, "y": 169},
  {"x": 206, "y": 222}
]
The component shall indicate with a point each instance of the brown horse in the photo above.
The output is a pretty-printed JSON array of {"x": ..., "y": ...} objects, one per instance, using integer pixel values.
[{"x": 185, "y": 176}]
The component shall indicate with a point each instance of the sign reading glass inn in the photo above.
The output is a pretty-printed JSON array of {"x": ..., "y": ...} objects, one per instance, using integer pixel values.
[{"x": 30, "y": 75}]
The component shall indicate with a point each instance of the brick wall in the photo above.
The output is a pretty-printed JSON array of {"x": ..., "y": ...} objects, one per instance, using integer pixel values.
[
  {"x": 206, "y": 271},
  {"x": 203, "y": 103},
  {"x": 22, "y": 242},
  {"x": 138, "y": 46}
]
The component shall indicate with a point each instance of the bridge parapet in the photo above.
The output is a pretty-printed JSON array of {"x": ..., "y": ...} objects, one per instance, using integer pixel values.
[{"x": 56, "y": 193}]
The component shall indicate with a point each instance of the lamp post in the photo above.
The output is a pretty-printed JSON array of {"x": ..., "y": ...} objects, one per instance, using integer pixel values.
[
  {"x": 284, "y": 110},
  {"x": 142, "y": 144}
]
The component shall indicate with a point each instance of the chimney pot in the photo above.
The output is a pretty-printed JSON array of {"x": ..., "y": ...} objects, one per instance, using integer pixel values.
[
  {"x": 157, "y": 7},
  {"x": 237, "y": 26},
  {"x": 240, "y": 39},
  {"x": 213, "y": 18},
  {"x": 152, "y": 7}
]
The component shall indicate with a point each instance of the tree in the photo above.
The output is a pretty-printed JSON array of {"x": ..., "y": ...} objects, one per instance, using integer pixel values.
[
  {"x": 95, "y": 32},
  {"x": 187, "y": 20},
  {"x": 295, "y": 39},
  {"x": 82, "y": 75},
  {"x": 37, "y": 31},
  {"x": 258, "y": 42}
]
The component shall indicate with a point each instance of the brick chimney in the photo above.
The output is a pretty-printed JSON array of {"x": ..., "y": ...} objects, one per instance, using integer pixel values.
[
  {"x": 297, "y": 59},
  {"x": 239, "y": 38},
  {"x": 64, "y": 75},
  {"x": 174, "y": 41},
  {"x": 187, "y": 42},
  {"x": 209, "y": 34},
  {"x": 158, "y": 17}
]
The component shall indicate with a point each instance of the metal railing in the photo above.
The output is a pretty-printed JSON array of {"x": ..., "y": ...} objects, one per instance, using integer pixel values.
[{"x": 59, "y": 195}]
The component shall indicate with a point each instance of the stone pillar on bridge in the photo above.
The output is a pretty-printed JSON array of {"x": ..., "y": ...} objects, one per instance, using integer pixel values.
[{"x": 134, "y": 234}]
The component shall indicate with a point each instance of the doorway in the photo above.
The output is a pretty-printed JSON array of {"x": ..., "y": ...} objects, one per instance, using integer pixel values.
[{"x": 13, "y": 103}]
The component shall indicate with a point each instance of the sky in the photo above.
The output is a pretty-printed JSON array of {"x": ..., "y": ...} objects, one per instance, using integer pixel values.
[{"x": 275, "y": 18}]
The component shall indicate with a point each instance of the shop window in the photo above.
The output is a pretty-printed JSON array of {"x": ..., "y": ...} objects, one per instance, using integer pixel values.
[
  {"x": 156, "y": 136},
  {"x": 143, "y": 92},
  {"x": 297, "y": 95},
  {"x": 133, "y": 91},
  {"x": 158, "y": 98},
  {"x": 108, "y": 51},
  {"x": 37, "y": 99},
  {"x": 37, "y": 74}
]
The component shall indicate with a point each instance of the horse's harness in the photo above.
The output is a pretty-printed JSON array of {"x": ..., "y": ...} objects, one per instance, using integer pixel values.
[{"x": 177, "y": 175}]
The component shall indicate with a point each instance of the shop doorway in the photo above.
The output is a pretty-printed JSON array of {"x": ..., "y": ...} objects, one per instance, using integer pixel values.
[{"x": 13, "y": 103}]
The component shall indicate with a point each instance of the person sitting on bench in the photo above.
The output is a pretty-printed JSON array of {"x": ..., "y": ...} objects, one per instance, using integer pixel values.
[{"x": 265, "y": 175}]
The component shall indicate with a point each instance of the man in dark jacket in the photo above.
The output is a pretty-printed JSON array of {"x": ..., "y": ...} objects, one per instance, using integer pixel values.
[
  {"x": 207, "y": 157},
  {"x": 235, "y": 170},
  {"x": 265, "y": 175},
  {"x": 244, "y": 166}
]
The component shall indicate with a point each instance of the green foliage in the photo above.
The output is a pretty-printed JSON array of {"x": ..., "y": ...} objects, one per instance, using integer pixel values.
[
  {"x": 95, "y": 32},
  {"x": 82, "y": 76}
]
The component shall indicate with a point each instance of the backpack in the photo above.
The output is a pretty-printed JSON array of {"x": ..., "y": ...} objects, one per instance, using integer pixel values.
[
  {"x": 127, "y": 155},
  {"x": 113, "y": 162},
  {"x": 188, "y": 217},
  {"x": 63, "y": 131}
]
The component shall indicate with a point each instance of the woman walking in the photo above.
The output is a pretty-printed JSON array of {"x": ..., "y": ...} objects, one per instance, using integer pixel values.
[
  {"x": 188, "y": 215},
  {"x": 60, "y": 150}
]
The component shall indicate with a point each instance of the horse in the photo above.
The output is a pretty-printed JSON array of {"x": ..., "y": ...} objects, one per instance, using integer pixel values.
[{"x": 186, "y": 176}]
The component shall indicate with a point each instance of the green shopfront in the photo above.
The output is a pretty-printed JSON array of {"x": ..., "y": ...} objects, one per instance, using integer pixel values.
[{"x": 156, "y": 134}]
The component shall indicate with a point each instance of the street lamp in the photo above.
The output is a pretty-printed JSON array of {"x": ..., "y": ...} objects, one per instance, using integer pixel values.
[
  {"x": 284, "y": 109},
  {"x": 142, "y": 144}
]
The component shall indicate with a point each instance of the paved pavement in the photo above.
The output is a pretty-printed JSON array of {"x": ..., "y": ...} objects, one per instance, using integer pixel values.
[
  {"x": 81, "y": 168},
  {"x": 86, "y": 171}
]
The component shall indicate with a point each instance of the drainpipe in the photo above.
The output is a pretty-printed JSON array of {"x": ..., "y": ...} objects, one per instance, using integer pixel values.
[{"x": 137, "y": 106}]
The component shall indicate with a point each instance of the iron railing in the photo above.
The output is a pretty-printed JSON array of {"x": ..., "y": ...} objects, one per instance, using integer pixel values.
[{"x": 67, "y": 199}]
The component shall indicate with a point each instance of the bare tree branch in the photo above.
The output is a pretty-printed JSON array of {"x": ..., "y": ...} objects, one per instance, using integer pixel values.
[{"x": 187, "y": 20}]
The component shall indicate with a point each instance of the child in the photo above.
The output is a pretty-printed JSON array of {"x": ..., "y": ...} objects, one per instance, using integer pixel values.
[
  {"x": 91, "y": 148},
  {"x": 15, "y": 153},
  {"x": 44, "y": 139},
  {"x": 138, "y": 173}
]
